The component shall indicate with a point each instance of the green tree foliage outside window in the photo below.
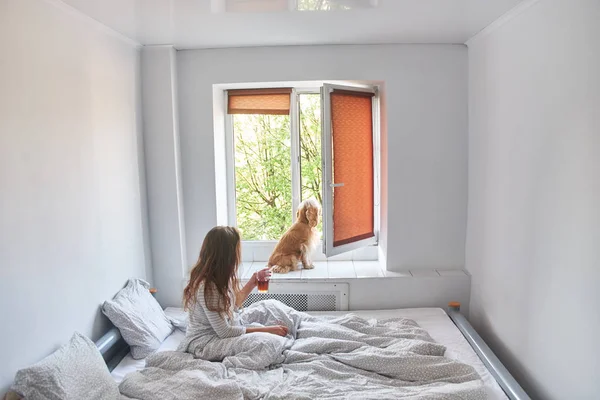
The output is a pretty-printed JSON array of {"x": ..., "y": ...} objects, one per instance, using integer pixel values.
[
  {"x": 319, "y": 5},
  {"x": 263, "y": 177}
]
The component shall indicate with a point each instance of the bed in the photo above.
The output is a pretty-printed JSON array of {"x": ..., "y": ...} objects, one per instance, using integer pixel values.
[
  {"x": 419, "y": 353},
  {"x": 449, "y": 329}
]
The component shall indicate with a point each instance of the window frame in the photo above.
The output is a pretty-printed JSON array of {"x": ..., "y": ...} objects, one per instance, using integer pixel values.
[
  {"x": 296, "y": 159},
  {"x": 326, "y": 156}
]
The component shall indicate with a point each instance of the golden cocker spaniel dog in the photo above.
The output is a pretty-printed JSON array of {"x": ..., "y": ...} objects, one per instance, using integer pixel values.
[{"x": 298, "y": 242}]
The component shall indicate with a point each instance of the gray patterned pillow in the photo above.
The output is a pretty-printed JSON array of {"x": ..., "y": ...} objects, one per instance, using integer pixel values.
[
  {"x": 74, "y": 371},
  {"x": 139, "y": 317}
]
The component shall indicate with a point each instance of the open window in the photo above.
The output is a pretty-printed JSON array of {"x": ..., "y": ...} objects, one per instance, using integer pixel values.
[
  {"x": 349, "y": 166},
  {"x": 285, "y": 145}
]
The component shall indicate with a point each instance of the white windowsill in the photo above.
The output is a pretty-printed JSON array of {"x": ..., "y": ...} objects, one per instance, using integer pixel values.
[
  {"x": 343, "y": 270},
  {"x": 260, "y": 251}
]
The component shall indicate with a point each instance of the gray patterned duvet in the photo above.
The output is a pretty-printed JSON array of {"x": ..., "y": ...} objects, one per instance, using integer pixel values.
[{"x": 344, "y": 357}]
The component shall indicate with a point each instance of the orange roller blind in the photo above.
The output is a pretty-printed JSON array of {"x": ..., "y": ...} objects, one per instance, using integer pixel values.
[
  {"x": 257, "y": 5},
  {"x": 352, "y": 136},
  {"x": 259, "y": 101}
]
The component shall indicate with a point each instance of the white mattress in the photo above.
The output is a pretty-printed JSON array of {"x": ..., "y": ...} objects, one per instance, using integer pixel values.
[
  {"x": 128, "y": 364},
  {"x": 434, "y": 320}
]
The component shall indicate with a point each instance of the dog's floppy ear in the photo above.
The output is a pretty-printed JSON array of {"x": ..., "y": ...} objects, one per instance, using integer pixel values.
[{"x": 312, "y": 215}]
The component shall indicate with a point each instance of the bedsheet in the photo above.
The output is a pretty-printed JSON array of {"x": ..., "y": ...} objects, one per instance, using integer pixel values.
[{"x": 434, "y": 320}]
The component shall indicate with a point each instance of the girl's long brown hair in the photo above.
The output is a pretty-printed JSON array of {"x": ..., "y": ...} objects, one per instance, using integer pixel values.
[{"x": 216, "y": 267}]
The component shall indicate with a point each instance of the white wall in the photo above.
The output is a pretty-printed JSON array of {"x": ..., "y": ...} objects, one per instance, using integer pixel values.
[
  {"x": 71, "y": 198},
  {"x": 426, "y": 97},
  {"x": 533, "y": 243}
]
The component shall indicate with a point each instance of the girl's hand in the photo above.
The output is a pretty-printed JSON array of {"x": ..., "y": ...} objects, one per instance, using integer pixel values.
[
  {"x": 263, "y": 274},
  {"x": 278, "y": 330}
]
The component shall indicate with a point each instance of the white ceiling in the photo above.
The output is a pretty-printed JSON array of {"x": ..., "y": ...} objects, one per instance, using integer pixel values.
[{"x": 207, "y": 24}]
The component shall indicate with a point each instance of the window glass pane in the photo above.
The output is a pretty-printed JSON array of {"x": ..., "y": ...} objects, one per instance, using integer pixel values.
[
  {"x": 263, "y": 178},
  {"x": 310, "y": 148}
]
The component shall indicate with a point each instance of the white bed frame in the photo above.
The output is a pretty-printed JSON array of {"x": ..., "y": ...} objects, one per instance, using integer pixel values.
[{"x": 507, "y": 382}]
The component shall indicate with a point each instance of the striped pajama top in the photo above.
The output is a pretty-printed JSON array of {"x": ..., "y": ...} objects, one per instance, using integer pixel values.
[{"x": 205, "y": 325}]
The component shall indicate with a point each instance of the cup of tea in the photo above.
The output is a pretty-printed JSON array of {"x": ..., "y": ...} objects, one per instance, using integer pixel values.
[{"x": 263, "y": 276}]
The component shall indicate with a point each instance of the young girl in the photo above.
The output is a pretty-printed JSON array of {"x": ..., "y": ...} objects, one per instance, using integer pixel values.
[{"x": 213, "y": 296}]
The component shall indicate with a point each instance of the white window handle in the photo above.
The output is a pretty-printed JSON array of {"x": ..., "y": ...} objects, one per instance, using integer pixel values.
[{"x": 333, "y": 185}]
